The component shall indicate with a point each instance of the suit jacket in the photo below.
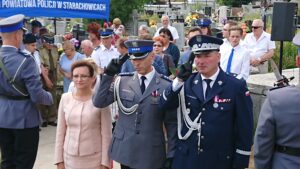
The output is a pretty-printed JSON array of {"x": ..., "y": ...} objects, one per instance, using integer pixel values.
[
  {"x": 278, "y": 123},
  {"x": 20, "y": 114},
  {"x": 138, "y": 139},
  {"x": 226, "y": 124},
  {"x": 82, "y": 129}
]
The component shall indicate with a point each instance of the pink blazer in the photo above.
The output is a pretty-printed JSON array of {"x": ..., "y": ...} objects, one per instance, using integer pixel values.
[{"x": 82, "y": 129}]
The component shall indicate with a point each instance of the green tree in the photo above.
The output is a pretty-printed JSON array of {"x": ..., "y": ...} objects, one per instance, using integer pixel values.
[
  {"x": 123, "y": 8},
  {"x": 233, "y": 3}
]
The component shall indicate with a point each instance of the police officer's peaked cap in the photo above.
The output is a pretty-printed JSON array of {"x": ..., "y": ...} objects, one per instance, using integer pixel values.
[
  {"x": 203, "y": 22},
  {"x": 36, "y": 23},
  {"x": 29, "y": 38},
  {"x": 203, "y": 43},
  {"x": 12, "y": 23},
  {"x": 106, "y": 33},
  {"x": 139, "y": 49},
  {"x": 48, "y": 38}
]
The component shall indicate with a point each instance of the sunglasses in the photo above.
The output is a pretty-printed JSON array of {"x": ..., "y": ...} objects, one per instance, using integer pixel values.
[
  {"x": 256, "y": 27},
  {"x": 157, "y": 45}
]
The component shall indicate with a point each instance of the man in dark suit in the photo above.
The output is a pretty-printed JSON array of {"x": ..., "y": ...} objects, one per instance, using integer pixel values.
[
  {"x": 138, "y": 139},
  {"x": 215, "y": 119}
]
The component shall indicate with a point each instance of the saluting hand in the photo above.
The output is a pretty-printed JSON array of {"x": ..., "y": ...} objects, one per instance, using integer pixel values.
[
  {"x": 115, "y": 65},
  {"x": 185, "y": 70}
]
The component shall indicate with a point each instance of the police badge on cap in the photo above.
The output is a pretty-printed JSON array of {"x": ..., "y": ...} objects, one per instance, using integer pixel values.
[
  {"x": 106, "y": 33},
  {"x": 139, "y": 49},
  {"x": 203, "y": 43},
  {"x": 12, "y": 23}
]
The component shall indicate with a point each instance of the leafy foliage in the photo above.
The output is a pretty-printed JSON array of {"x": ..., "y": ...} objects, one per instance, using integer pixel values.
[
  {"x": 123, "y": 8},
  {"x": 233, "y": 3}
]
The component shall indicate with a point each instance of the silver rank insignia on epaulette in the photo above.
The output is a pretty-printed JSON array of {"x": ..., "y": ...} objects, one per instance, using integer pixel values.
[
  {"x": 126, "y": 74},
  {"x": 166, "y": 78}
]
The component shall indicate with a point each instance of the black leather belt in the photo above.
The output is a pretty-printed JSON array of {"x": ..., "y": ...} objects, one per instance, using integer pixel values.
[
  {"x": 15, "y": 97},
  {"x": 288, "y": 150}
]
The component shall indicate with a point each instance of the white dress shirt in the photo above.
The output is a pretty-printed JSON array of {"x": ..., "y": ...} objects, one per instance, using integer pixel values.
[
  {"x": 240, "y": 64},
  {"x": 213, "y": 78},
  {"x": 258, "y": 47},
  {"x": 149, "y": 76},
  {"x": 103, "y": 56}
]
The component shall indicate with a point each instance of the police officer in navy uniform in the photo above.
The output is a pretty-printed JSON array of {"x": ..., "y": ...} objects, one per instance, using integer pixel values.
[
  {"x": 19, "y": 116},
  {"x": 138, "y": 139},
  {"x": 215, "y": 119},
  {"x": 277, "y": 137}
]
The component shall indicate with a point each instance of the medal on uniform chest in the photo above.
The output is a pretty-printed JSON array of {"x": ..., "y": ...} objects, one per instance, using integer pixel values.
[
  {"x": 196, "y": 82},
  {"x": 220, "y": 82},
  {"x": 215, "y": 105}
]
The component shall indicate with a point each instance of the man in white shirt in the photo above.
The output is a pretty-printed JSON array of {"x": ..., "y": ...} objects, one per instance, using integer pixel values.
[
  {"x": 106, "y": 52},
  {"x": 225, "y": 32},
  {"x": 165, "y": 20},
  {"x": 235, "y": 58},
  {"x": 87, "y": 48},
  {"x": 260, "y": 46}
]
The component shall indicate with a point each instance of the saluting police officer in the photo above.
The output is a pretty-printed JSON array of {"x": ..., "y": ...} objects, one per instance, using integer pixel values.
[
  {"x": 138, "y": 139},
  {"x": 277, "y": 138},
  {"x": 215, "y": 119},
  {"x": 20, "y": 91}
]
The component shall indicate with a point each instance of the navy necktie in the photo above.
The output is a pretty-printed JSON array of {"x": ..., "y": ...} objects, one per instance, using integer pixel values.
[
  {"x": 143, "y": 86},
  {"x": 208, "y": 88},
  {"x": 229, "y": 61}
]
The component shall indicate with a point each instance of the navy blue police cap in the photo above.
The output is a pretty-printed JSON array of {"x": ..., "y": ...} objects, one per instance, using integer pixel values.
[
  {"x": 106, "y": 33},
  {"x": 29, "y": 38},
  {"x": 36, "y": 23},
  {"x": 12, "y": 23},
  {"x": 203, "y": 22},
  {"x": 139, "y": 49},
  {"x": 204, "y": 43}
]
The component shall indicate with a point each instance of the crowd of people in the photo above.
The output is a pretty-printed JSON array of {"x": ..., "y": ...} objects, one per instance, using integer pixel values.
[{"x": 139, "y": 102}]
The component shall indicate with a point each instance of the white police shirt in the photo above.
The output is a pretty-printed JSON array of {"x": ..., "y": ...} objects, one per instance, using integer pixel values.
[{"x": 103, "y": 56}]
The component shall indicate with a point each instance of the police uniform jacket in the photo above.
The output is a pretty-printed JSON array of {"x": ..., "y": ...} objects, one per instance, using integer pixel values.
[
  {"x": 138, "y": 139},
  {"x": 278, "y": 124},
  {"x": 19, "y": 114},
  {"x": 226, "y": 124}
]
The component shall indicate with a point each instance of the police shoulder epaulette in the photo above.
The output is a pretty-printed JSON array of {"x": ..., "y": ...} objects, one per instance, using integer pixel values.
[
  {"x": 96, "y": 48},
  {"x": 25, "y": 54},
  {"x": 126, "y": 74},
  {"x": 166, "y": 78}
]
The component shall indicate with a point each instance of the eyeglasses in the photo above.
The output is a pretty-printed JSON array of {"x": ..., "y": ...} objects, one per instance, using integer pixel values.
[
  {"x": 83, "y": 77},
  {"x": 157, "y": 45},
  {"x": 256, "y": 27}
]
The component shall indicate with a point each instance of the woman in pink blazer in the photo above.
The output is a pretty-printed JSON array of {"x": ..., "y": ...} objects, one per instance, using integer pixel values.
[{"x": 83, "y": 131}]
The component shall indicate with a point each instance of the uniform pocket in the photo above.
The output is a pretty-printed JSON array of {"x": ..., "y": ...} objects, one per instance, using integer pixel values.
[
  {"x": 225, "y": 159},
  {"x": 127, "y": 99}
]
